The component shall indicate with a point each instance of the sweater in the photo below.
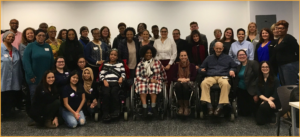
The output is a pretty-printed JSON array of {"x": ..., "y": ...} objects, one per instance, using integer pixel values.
[
  {"x": 37, "y": 59},
  {"x": 218, "y": 66},
  {"x": 193, "y": 72}
]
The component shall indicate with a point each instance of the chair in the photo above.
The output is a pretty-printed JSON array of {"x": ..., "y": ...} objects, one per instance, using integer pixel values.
[{"x": 284, "y": 98}]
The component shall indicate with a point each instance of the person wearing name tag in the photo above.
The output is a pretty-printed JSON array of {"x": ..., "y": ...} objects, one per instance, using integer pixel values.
[
  {"x": 11, "y": 73},
  {"x": 105, "y": 36},
  {"x": 112, "y": 75},
  {"x": 37, "y": 59},
  {"x": 54, "y": 43},
  {"x": 241, "y": 44},
  {"x": 91, "y": 92},
  {"x": 95, "y": 52},
  {"x": 74, "y": 99},
  {"x": 252, "y": 35},
  {"x": 61, "y": 74}
]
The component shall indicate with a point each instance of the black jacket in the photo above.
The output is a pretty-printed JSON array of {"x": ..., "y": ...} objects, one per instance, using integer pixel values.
[
  {"x": 123, "y": 50},
  {"x": 250, "y": 76},
  {"x": 117, "y": 41}
]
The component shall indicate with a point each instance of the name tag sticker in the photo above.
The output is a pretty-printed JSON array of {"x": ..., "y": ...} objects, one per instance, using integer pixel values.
[
  {"x": 6, "y": 55},
  {"x": 95, "y": 48},
  {"x": 46, "y": 49},
  {"x": 256, "y": 40},
  {"x": 72, "y": 95}
]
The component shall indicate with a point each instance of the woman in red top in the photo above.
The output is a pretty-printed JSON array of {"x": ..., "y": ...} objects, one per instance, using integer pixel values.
[{"x": 199, "y": 49}]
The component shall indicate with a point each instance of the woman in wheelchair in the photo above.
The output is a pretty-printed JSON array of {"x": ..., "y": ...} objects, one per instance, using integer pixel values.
[
  {"x": 184, "y": 74},
  {"x": 112, "y": 75},
  {"x": 150, "y": 75},
  {"x": 90, "y": 88},
  {"x": 267, "y": 84}
]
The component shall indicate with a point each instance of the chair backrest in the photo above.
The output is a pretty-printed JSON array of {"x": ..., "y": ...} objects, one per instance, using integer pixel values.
[{"x": 284, "y": 97}]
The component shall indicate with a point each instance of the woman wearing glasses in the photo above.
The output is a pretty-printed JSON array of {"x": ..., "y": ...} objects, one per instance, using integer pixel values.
[
  {"x": 286, "y": 55},
  {"x": 245, "y": 82},
  {"x": 166, "y": 51},
  {"x": 37, "y": 59}
]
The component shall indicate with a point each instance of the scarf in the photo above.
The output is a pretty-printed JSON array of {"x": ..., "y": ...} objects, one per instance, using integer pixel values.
[
  {"x": 87, "y": 84},
  {"x": 85, "y": 40},
  {"x": 147, "y": 65},
  {"x": 184, "y": 69}
]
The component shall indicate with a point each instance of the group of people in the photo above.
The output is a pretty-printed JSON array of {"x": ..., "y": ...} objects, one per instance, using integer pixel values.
[{"x": 63, "y": 73}]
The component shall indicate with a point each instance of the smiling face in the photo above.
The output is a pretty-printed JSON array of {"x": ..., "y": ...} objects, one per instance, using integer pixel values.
[
  {"x": 40, "y": 37},
  {"x": 86, "y": 75},
  {"x": 242, "y": 57},
  {"x": 85, "y": 33},
  {"x": 50, "y": 78},
  {"x": 218, "y": 48},
  {"x": 122, "y": 29},
  {"x": 145, "y": 35},
  {"x": 52, "y": 33},
  {"x": 71, "y": 35},
  {"x": 60, "y": 63},
  {"x": 74, "y": 79},
  {"x": 164, "y": 33},
  {"x": 113, "y": 56},
  {"x": 96, "y": 34},
  {"x": 155, "y": 31},
  {"x": 141, "y": 28},
  {"x": 252, "y": 28},
  {"x": 176, "y": 35},
  {"x": 129, "y": 35},
  {"x": 265, "y": 35},
  {"x": 241, "y": 36},
  {"x": 14, "y": 24},
  {"x": 183, "y": 56},
  {"x": 228, "y": 34},
  {"x": 265, "y": 68},
  {"x": 196, "y": 37},
  {"x": 148, "y": 55},
  {"x": 81, "y": 63},
  {"x": 281, "y": 30},
  {"x": 10, "y": 38},
  {"x": 194, "y": 27},
  {"x": 104, "y": 32},
  {"x": 29, "y": 35}
]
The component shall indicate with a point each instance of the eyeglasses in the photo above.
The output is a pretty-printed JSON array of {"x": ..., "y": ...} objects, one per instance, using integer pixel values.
[
  {"x": 280, "y": 28},
  {"x": 60, "y": 62},
  {"x": 41, "y": 35}
]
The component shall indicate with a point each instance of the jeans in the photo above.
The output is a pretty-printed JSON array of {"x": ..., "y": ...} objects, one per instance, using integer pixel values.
[
  {"x": 70, "y": 120},
  {"x": 288, "y": 73},
  {"x": 32, "y": 88}
]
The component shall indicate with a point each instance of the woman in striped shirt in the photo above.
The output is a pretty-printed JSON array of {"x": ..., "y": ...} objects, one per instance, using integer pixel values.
[{"x": 112, "y": 75}]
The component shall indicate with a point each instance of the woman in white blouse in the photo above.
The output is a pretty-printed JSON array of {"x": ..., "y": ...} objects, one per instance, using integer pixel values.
[{"x": 166, "y": 51}]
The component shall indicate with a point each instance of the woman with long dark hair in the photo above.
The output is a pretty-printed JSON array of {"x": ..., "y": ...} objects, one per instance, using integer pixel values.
[
  {"x": 71, "y": 50},
  {"x": 199, "y": 49},
  {"x": 227, "y": 40},
  {"x": 267, "y": 85}
]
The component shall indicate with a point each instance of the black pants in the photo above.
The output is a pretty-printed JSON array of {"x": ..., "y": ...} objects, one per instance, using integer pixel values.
[
  {"x": 52, "y": 110},
  {"x": 95, "y": 72},
  {"x": 8, "y": 101},
  {"x": 49, "y": 112},
  {"x": 245, "y": 102},
  {"x": 265, "y": 112},
  {"x": 110, "y": 97},
  {"x": 183, "y": 91}
]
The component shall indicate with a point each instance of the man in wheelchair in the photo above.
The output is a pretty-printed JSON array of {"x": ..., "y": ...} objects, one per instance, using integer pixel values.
[
  {"x": 217, "y": 68},
  {"x": 150, "y": 75}
]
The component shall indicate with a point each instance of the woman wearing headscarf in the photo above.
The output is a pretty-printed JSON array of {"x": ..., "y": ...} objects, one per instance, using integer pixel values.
[
  {"x": 71, "y": 50},
  {"x": 90, "y": 88}
]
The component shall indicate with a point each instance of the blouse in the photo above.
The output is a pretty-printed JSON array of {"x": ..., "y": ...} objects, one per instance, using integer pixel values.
[{"x": 166, "y": 50}]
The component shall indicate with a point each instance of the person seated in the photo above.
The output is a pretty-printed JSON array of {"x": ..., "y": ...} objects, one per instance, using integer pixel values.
[
  {"x": 74, "y": 98},
  {"x": 46, "y": 104},
  {"x": 150, "y": 75},
  {"x": 91, "y": 92},
  {"x": 184, "y": 73},
  {"x": 267, "y": 84},
  {"x": 112, "y": 76},
  {"x": 217, "y": 67}
]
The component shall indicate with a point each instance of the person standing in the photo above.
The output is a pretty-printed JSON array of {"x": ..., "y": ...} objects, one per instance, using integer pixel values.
[
  {"x": 14, "y": 25},
  {"x": 84, "y": 39},
  {"x": 155, "y": 32},
  {"x": 121, "y": 36},
  {"x": 194, "y": 26}
]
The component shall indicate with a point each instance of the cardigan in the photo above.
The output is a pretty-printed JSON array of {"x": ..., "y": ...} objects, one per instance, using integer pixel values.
[
  {"x": 250, "y": 76},
  {"x": 37, "y": 59},
  {"x": 193, "y": 72},
  {"x": 124, "y": 53},
  {"x": 94, "y": 53}
]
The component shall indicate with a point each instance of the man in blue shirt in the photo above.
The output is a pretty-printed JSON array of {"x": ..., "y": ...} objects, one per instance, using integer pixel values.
[{"x": 217, "y": 67}]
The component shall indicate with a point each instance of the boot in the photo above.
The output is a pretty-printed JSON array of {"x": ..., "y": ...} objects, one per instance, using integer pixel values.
[
  {"x": 186, "y": 108},
  {"x": 48, "y": 124},
  {"x": 145, "y": 112},
  {"x": 181, "y": 105}
]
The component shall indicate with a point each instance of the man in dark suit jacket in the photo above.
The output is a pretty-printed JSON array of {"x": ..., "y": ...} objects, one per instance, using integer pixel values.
[{"x": 194, "y": 26}]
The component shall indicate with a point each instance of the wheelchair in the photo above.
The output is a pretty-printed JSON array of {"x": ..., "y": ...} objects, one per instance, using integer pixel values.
[
  {"x": 123, "y": 97},
  {"x": 194, "y": 100},
  {"x": 136, "y": 103},
  {"x": 229, "y": 110}
]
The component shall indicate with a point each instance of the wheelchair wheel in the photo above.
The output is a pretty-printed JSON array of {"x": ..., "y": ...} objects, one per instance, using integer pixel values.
[
  {"x": 132, "y": 101},
  {"x": 126, "y": 116},
  {"x": 96, "y": 117},
  {"x": 234, "y": 108},
  {"x": 165, "y": 99}
]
